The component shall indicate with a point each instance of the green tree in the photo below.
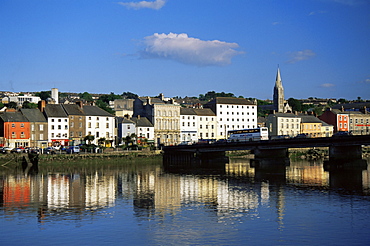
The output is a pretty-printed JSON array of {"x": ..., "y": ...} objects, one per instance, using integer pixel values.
[
  {"x": 295, "y": 104},
  {"x": 27, "y": 104},
  {"x": 101, "y": 141},
  {"x": 1, "y": 105},
  {"x": 104, "y": 106},
  {"x": 86, "y": 96},
  {"x": 43, "y": 94},
  {"x": 110, "y": 97},
  {"x": 129, "y": 95},
  {"x": 89, "y": 139},
  {"x": 12, "y": 105}
]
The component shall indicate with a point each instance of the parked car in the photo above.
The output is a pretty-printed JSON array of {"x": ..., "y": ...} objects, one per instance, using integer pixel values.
[
  {"x": 49, "y": 151},
  {"x": 73, "y": 149},
  {"x": 7, "y": 149},
  {"x": 342, "y": 133},
  {"x": 17, "y": 150},
  {"x": 302, "y": 135}
]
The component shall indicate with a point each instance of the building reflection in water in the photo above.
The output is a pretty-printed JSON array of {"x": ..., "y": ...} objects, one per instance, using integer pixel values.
[{"x": 231, "y": 194}]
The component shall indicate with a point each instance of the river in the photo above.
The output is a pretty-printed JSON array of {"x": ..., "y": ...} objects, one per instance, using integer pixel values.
[{"x": 137, "y": 202}]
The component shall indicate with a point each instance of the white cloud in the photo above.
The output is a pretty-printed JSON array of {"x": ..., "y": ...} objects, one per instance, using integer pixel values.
[
  {"x": 317, "y": 12},
  {"x": 187, "y": 50},
  {"x": 327, "y": 85},
  {"x": 157, "y": 4},
  {"x": 302, "y": 55}
]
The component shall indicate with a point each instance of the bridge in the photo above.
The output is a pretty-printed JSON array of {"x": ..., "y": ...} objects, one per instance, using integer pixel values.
[{"x": 342, "y": 148}]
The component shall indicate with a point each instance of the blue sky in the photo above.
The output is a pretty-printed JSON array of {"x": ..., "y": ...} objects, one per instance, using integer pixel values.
[{"x": 187, "y": 48}]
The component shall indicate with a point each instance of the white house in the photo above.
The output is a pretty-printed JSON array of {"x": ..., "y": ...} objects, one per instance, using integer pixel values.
[
  {"x": 188, "y": 125},
  {"x": 283, "y": 124},
  {"x": 233, "y": 113},
  {"x": 58, "y": 124},
  {"x": 99, "y": 123},
  {"x": 206, "y": 123}
]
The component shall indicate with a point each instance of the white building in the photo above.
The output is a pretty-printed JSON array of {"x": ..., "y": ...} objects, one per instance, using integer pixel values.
[
  {"x": 21, "y": 99},
  {"x": 163, "y": 114},
  {"x": 188, "y": 125},
  {"x": 233, "y": 113},
  {"x": 206, "y": 123},
  {"x": 99, "y": 123},
  {"x": 58, "y": 124},
  {"x": 283, "y": 124}
]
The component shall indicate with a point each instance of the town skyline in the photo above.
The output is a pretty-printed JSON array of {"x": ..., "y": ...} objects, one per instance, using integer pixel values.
[{"x": 186, "y": 48}]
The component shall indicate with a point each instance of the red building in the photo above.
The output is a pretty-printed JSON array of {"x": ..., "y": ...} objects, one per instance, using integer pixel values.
[
  {"x": 14, "y": 130},
  {"x": 337, "y": 118}
]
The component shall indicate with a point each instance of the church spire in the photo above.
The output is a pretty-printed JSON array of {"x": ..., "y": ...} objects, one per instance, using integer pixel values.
[
  {"x": 278, "y": 93},
  {"x": 278, "y": 78}
]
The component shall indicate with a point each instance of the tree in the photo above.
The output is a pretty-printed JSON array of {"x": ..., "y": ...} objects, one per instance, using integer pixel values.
[
  {"x": 89, "y": 139},
  {"x": 86, "y": 96},
  {"x": 12, "y": 105},
  {"x": 27, "y": 104},
  {"x": 104, "y": 106},
  {"x": 295, "y": 104},
  {"x": 1, "y": 105},
  {"x": 101, "y": 141},
  {"x": 110, "y": 97},
  {"x": 129, "y": 95},
  {"x": 43, "y": 94}
]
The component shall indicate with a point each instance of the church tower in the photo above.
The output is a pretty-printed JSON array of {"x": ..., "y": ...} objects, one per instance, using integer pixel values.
[{"x": 278, "y": 94}]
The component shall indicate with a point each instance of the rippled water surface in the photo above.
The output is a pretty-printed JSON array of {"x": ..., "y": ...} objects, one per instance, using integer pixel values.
[{"x": 115, "y": 202}]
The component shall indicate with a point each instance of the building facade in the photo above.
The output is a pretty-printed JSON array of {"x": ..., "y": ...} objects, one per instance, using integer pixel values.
[{"x": 233, "y": 113}]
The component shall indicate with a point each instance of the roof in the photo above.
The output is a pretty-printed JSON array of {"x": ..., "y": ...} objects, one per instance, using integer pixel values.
[
  {"x": 96, "y": 111},
  {"x": 290, "y": 115},
  {"x": 204, "y": 112},
  {"x": 13, "y": 117},
  {"x": 73, "y": 109},
  {"x": 55, "y": 110},
  {"x": 33, "y": 115},
  {"x": 310, "y": 119},
  {"x": 141, "y": 122},
  {"x": 187, "y": 111},
  {"x": 231, "y": 100}
]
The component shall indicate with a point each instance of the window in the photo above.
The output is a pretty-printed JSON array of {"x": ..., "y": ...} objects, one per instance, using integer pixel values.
[
  {"x": 41, "y": 127},
  {"x": 59, "y": 120},
  {"x": 107, "y": 125},
  {"x": 22, "y": 135},
  {"x": 107, "y": 119},
  {"x": 32, "y": 127},
  {"x": 89, "y": 125},
  {"x": 97, "y": 125},
  {"x": 52, "y": 135},
  {"x": 65, "y": 127},
  {"x": 41, "y": 136},
  {"x": 59, "y": 127},
  {"x": 52, "y": 127},
  {"x": 13, "y": 125},
  {"x": 22, "y": 125},
  {"x": 72, "y": 124}
]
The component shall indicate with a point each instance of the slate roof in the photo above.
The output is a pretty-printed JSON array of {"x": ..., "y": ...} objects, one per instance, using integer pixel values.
[
  {"x": 310, "y": 119},
  {"x": 141, "y": 122},
  {"x": 231, "y": 100},
  {"x": 204, "y": 112},
  {"x": 73, "y": 109},
  {"x": 55, "y": 110},
  {"x": 33, "y": 115},
  {"x": 187, "y": 111},
  {"x": 96, "y": 111},
  {"x": 13, "y": 117}
]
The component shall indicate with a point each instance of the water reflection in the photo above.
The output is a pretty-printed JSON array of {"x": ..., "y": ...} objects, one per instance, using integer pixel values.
[{"x": 237, "y": 193}]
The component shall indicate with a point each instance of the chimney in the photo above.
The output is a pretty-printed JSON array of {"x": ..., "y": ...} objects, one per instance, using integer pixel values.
[
  {"x": 342, "y": 109},
  {"x": 79, "y": 103},
  {"x": 138, "y": 117},
  {"x": 41, "y": 105}
]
